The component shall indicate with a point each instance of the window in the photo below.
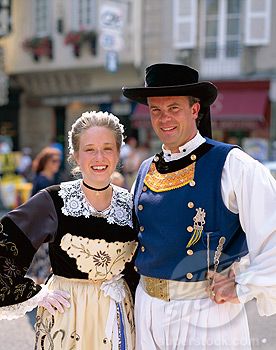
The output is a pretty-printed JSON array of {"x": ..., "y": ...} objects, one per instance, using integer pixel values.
[
  {"x": 221, "y": 50},
  {"x": 42, "y": 18},
  {"x": 184, "y": 23},
  {"x": 84, "y": 14},
  {"x": 222, "y": 28},
  {"x": 257, "y": 22}
]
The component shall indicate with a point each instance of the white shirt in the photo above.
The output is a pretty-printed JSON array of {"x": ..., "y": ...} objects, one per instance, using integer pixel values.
[{"x": 249, "y": 189}]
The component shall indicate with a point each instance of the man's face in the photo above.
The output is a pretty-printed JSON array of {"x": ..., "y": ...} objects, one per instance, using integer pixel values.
[{"x": 173, "y": 120}]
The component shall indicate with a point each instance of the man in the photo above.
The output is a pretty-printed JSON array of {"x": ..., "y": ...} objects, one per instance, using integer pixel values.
[{"x": 207, "y": 220}]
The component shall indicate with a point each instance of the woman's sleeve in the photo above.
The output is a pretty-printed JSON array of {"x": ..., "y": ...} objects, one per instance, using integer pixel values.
[
  {"x": 22, "y": 231},
  {"x": 250, "y": 190}
]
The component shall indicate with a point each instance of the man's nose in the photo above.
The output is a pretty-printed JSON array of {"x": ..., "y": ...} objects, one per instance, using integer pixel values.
[{"x": 165, "y": 116}]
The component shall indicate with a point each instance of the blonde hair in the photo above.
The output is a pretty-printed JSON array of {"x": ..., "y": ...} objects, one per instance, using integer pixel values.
[{"x": 88, "y": 120}]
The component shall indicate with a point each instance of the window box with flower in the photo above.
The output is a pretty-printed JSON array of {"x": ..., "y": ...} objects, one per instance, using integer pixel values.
[
  {"x": 78, "y": 38},
  {"x": 39, "y": 46}
]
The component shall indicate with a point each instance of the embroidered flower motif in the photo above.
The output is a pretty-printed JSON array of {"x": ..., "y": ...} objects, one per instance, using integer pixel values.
[
  {"x": 10, "y": 269},
  {"x": 19, "y": 290},
  {"x": 101, "y": 259},
  {"x": 75, "y": 204},
  {"x": 9, "y": 246}
]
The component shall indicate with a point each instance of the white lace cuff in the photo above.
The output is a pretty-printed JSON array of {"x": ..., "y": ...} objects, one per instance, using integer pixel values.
[{"x": 14, "y": 311}]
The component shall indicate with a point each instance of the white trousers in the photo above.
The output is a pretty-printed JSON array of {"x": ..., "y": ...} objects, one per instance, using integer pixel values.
[{"x": 189, "y": 324}]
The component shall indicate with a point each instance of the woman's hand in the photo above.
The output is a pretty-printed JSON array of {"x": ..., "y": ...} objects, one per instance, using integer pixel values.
[
  {"x": 223, "y": 288},
  {"x": 55, "y": 300}
]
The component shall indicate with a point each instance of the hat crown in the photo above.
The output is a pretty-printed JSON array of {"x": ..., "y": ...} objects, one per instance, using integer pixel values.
[{"x": 165, "y": 74}]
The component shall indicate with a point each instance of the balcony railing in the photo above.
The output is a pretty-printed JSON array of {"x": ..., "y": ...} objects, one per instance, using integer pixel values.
[{"x": 220, "y": 62}]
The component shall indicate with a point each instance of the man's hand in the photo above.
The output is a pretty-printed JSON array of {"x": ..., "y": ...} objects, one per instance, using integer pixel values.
[
  {"x": 223, "y": 288},
  {"x": 55, "y": 300}
]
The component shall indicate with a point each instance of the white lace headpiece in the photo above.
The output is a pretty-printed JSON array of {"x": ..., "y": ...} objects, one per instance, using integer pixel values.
[{"x": 115, "y": 119}]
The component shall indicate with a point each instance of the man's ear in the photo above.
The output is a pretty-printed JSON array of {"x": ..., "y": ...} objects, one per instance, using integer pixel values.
[{"x": 195, "y": 109}]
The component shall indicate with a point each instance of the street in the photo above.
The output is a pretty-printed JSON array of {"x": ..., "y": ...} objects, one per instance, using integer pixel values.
[{"x": 19, "y": 334}]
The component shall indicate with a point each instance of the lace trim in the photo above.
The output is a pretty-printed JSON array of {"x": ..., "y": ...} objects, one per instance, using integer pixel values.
[
  {"x": 12, "y": 312},
  {"x": 75, "y": 204}
]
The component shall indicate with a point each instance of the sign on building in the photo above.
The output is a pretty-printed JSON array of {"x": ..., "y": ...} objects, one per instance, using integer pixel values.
[
  {"x": 5, "y": 17},
  {"x": 112, "y": 19}
]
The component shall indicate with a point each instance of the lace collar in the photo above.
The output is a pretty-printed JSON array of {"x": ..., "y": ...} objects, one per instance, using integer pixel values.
[{"x": 75, "y": 204}]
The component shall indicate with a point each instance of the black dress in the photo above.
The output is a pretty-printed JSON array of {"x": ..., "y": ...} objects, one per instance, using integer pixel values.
[{"x": 89, "y": 253}]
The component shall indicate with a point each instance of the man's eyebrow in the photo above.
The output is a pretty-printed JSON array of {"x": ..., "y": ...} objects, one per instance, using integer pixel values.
[
  {"x": 170, "y": 105},
  {"x": 92, "y": 144}
]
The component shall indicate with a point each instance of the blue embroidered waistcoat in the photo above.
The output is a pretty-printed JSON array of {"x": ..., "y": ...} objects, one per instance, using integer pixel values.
[{"x": 184, "y": 225}]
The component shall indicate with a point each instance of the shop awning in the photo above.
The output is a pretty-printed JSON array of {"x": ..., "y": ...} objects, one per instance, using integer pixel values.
[
  {"x": 240, "y": 105},
  {"x": 140, "y": 117}
]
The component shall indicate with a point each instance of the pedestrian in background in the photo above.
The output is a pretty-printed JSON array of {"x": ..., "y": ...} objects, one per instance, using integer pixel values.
[
  {"x": 45, "y": 167},
  {"x": 25, "y": 164},
  {"x": 207, "y": 220},
  {"x": 86, "y": 304}
]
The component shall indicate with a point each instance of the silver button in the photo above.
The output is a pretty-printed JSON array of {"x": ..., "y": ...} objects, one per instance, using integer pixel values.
[
  {"x": 190, "y": 252},
  {"x": 143, "y": 249},
  {"x": 190, "y": 228},
  {"x": 191, "y": 205},
  {"x": 142, "y": 228},
  {"x": 156, "y": 158},
  {"x": 140, "y": 207},
  {"x": 189, "y": 276},
  {"x": 192, "y": 183}
]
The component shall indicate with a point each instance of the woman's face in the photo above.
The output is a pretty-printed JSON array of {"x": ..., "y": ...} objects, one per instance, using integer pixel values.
[
  {"x": 53, "y": 164},
  {"x": 97, "y": 156}
]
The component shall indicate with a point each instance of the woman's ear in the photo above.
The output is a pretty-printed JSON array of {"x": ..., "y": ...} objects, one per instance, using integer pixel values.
[{"x": 76, "y": 157}]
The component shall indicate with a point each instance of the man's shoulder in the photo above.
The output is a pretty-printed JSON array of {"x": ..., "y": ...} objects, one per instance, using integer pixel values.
[{"x": 220, "y": 144}]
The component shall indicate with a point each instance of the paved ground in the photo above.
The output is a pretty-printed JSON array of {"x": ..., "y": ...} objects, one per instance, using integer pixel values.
[
  {"x": 16, "y": 335},
  {"x": 19, "y": 334}
]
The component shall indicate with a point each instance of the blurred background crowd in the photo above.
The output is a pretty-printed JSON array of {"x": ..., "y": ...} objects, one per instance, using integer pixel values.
[{"x": 59, "y": 58}]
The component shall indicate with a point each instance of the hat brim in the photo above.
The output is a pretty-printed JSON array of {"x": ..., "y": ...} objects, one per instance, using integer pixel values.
[{"x": 205, "y": 91}]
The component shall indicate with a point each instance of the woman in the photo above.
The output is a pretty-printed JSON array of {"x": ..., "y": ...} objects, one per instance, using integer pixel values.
[
  {"x": 46, "y": 167},
  {"x": 86, "y": 304}
]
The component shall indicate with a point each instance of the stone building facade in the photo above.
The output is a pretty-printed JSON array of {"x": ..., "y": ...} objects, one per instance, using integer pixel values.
[{"x": 93, "y": 51}]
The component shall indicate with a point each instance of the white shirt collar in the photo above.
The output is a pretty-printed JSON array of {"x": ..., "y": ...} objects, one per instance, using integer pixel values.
[{"x": 185, "y": 149}]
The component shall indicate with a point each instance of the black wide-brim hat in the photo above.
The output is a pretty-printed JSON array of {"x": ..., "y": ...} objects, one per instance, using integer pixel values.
[{"x": 165, "y": 79}]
